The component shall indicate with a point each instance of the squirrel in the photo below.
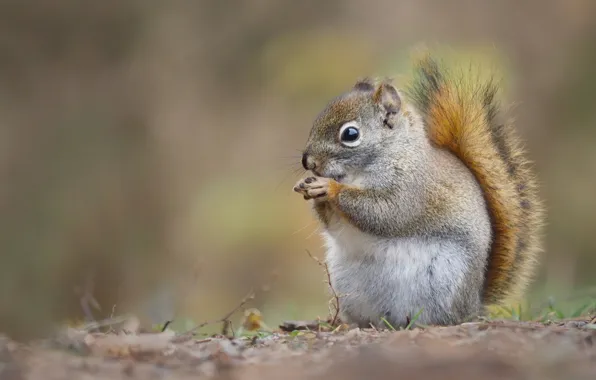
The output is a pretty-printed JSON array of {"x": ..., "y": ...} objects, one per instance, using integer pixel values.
[{"x": 428, "y": 204}]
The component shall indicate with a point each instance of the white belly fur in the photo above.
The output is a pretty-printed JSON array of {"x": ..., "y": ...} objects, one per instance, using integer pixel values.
[{"x": 375, "y": 277}]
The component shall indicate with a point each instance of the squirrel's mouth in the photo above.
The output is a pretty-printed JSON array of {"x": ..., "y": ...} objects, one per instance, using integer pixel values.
[
  {"x": 339, "y": 178},
  {"x": 336, "y": 177}
]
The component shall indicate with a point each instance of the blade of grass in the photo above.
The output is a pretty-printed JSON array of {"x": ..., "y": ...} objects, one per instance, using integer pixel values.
[
  {"x": 580, "y": 310},
  {"x": 514, "y": 314},
  {"x": 413, "y": 320},
  {"x": 558, "y": 313},
  {"x": 386, "y": 322}
]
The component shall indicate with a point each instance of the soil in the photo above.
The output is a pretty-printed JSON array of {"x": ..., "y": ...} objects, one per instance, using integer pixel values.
[{"x": 478, "y": 350}]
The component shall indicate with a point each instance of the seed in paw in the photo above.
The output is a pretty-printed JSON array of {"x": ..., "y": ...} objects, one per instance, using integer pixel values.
[{"x": 310, "y": 179}]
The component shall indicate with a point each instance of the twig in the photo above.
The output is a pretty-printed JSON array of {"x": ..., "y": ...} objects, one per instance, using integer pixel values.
[
  {"x": 248, "y": 297},
  {"x": 334, "y": 301},
  {"x": 106, "y": 322},
  {"x": 227, "y": 325},
  {"x": 226, "y": 318},
  {"x": 166, "y": 325},
  {"x": 87, "y": 300},
  {"x": 111, "y": 329}
]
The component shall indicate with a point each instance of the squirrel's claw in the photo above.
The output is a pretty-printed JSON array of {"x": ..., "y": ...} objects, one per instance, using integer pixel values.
[{"x": 312, "y": 187}]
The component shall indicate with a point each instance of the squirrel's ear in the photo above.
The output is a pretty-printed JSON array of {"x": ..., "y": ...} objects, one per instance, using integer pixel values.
[
  {"x": 387, "y": 98},
  {"x": 364, "y": 84}
]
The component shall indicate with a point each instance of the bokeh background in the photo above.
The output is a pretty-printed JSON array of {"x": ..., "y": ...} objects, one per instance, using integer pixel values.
[{"x": 148, "y": 149}]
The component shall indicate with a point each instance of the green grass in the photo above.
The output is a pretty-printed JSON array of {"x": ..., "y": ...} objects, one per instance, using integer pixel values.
[
  {"x": 410, "y": 325},
  {"x": 414, "y": 319},
  {"x": 545, "y": 312},
  {"x": 389, "y": 326}
]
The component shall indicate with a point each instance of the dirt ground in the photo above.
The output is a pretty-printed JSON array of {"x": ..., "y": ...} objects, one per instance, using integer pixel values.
[{"x": 478, "y": 350}]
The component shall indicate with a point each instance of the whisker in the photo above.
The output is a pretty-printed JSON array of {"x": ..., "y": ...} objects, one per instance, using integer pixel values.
[
  {"x": 288, "y": 161},
  {"x": 314, "y": 232},
  {"x": 293, "y": 156},
  {"x": 299, "y": 170},
  {"x": 294, "y": 173},
  {"x": 303, "y": 228},
  {"x": 287, "y": 165}
]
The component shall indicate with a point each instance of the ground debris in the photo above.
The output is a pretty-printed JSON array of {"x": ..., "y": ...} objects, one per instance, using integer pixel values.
[
  {"x": 487, "y": 350},
  {"x": 290, "y": 326}
]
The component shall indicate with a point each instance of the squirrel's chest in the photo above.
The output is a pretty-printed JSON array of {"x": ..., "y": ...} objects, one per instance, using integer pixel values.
[
  {"x": 380, "y": 276},
  {"x": 347, "y": 246}
]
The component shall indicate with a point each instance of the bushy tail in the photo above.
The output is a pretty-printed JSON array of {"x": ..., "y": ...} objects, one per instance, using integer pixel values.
[{"x": 460, "y": 111}]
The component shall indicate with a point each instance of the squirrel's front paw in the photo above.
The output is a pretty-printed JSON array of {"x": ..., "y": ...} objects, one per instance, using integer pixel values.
[{"x": 313, "y": 187}]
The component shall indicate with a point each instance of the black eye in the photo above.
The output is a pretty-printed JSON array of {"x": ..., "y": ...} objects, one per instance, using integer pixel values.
[{"x": 349, "y": 134}]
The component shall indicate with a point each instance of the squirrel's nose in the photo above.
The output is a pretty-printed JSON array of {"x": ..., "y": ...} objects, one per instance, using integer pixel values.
[{"x": 307, "y": 162}]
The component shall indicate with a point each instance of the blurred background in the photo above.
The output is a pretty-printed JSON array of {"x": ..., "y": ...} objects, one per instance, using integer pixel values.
[{"x": 148, "y": 149}]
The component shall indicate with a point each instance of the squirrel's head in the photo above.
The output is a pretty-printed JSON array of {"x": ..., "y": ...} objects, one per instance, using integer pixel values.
[{"x": 357, "y": 132}]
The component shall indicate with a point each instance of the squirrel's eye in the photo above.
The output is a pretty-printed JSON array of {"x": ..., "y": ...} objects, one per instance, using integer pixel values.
[{"x": 349, "y": 134}]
